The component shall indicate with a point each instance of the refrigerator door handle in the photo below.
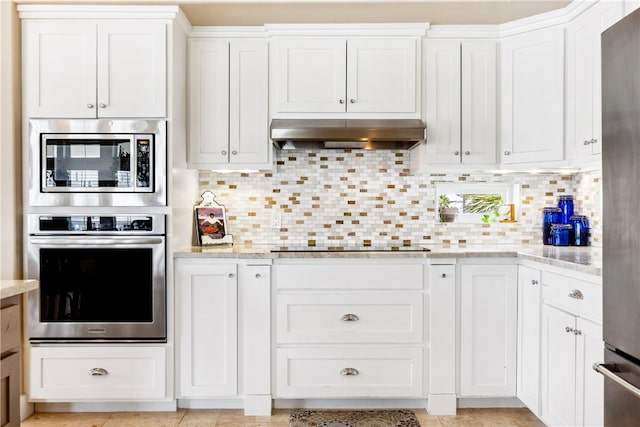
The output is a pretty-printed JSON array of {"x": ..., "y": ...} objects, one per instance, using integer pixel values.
[{"x": 606, "y": 369}]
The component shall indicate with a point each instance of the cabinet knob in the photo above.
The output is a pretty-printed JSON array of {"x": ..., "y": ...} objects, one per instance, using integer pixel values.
[
  {"x": 90, "y": 105},
  {"x": 341, "y": 101},
  {"x": 507, "y": 153},
  {"x": 444, "y": 275},
  {"x": 101, "y": 105},
  {"x": 467, "y": 152},
  {"x": 569, "y": 329},
  {"x": 224, "y": 153},
  {"x": 594, "y": 141},
  {"x": 353, "y": 101},
  {"x": 350, "y": 318},
  {"x": 258, "y": 275},
  {"x": 577, "y": 332},
  {"x": 349, "y": 371},
  {"x": 534, "y": 282},
  {"x": 234, "y": 152},
  {"x": 98, "y": 372},
  {"x": 586, "y": 142},
  {"x": 576, "y": 294},
  {"x": 231, "y": 276},
  {"x": 456, "y": 153}
]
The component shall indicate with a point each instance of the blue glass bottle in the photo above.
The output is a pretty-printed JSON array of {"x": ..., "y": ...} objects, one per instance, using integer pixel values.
[
  {"x": 580, "y": 235},
  {"x": 561, "y": 234},
  {"x": 565, "y": 203},
  {"x": 550, "y": 216}
]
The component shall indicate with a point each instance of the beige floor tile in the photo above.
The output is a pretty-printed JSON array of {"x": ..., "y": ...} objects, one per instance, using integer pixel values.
[
  {"x": 143, "y": 419},
  {"x": 200, "y": 418},
  {"x": 64, "y": 419}
]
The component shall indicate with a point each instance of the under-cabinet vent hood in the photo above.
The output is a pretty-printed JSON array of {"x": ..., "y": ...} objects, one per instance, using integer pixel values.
[{"x": 352, "y": 133}]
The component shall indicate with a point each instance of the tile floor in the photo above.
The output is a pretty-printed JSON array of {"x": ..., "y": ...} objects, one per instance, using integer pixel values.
[{"x": 519, "y": 417}]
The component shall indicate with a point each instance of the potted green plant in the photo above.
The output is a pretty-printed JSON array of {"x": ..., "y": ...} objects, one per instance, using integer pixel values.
[{"x": 446, "y": 212}]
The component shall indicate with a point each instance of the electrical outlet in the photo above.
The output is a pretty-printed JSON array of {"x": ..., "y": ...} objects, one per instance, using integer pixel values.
[{"x": 276, "y": 220}]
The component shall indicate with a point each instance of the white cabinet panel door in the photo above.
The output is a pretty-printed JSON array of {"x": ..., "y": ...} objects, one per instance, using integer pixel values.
[
  {"x": 532, "y": 97},
  {"x": 529, "y": 300},
  {"x": 207, "y": 331},
  {"x": 590, "y": 384},
  {"x": 381, "y": 75},
  {"x": 311, "y": 75},
  {"x": 60, "y": 69},
  {"x": 132, "y": 69},
  {"x": 488, "y": 328}
]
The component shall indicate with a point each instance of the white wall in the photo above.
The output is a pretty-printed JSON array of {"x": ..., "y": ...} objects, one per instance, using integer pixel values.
[{"x": 10, "y": 137}]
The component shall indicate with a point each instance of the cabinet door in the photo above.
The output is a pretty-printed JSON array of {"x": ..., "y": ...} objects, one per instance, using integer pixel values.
[
  {"x": 529, "y": 292},
  {"x": 248, "y": 102},
  {"x": 132, "y": 69},
  {"x": 208, "y": 102},
  {"x": 479, "y": 127},
  {"x": 60, "y": 69},
  {"x": 532, "y": 97},
  {"x": 488, "y": 327},
  {"x": 443, "y": 102},
  {"x": 590, "y": 384},
  {"x": 310, "y": 75},
  {"x": 558, "y": 353},
  {"x": 207, "y": 333},
  {"x": 583, "y": 85},
  {"x": 381, "y": 75}
]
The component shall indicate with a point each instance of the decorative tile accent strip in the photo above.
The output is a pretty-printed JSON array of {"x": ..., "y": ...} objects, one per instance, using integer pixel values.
[{"x": 343, "y": 197}]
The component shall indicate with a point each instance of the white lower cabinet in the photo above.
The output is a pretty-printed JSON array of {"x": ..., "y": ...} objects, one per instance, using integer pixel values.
[
  {"x": 488, "y": 319},
  {"x": 359, "y": 334},
  {"x": 97, "y": 373},
  {"x": 572, "y": 393},
  {"x": 207, "y": 329},
  {"x": 528, "y": 363}
]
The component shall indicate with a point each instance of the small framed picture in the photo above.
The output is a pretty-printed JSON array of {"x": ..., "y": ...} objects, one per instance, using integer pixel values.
[{"x": 211, "y": 224}]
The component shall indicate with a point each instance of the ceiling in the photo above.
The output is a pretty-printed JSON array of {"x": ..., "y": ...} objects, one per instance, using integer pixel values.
[{"x": 258, "y": 12}]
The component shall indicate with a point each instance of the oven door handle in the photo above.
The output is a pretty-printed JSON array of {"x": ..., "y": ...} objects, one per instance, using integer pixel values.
[{"x": 95, "y": 240}]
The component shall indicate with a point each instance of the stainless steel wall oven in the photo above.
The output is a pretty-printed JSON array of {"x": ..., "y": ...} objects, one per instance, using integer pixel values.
[
  {"x": 102, "y": 277},
  {"x": 97, "y": 163}
]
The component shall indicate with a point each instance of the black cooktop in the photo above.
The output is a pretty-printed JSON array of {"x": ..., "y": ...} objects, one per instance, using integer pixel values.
[{"x": 350, "y": 249}]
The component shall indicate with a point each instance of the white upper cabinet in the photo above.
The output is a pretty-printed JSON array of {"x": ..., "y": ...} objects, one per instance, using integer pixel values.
[
  {"x": 338, "y": 75},
  {"x": 532, "y": 96},
  {"x": 90, "y": 68},
  {"x": 228, "y": 103},
  {"x": 584, "y": 134},
  {"x": 461, "y": 91}
]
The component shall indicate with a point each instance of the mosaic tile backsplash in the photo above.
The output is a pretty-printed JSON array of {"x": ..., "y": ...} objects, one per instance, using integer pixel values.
[{"x": 343, "y": 198}]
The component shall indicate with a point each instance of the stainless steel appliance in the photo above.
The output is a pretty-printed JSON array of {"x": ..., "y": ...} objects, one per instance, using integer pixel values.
[
  {"x": 97, "y": 163},
  {"x": 102, "y": 277},
  {"x": 621, "y": 218}
]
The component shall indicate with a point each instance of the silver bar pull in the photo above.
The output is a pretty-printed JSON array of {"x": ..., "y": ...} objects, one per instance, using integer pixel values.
[
  {"x": 606, "y": 369},
  {"x": 98, "y": 372},
  {"x": 349, "y": 372},
  {"x": 576, "y": 294},
  {"x": 350, "y": 318}
]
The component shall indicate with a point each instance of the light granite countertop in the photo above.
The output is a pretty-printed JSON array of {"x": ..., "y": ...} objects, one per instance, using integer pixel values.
[
  {"x": 583, "y": 259},
  {"x": 9, "y": 288}
]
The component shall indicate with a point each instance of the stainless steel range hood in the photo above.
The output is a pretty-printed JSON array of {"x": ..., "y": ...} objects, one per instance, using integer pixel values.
[{"x": 350, "y": 133}]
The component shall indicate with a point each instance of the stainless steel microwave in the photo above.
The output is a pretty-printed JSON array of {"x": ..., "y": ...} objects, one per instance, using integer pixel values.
[{"x": 97, "y": 163}]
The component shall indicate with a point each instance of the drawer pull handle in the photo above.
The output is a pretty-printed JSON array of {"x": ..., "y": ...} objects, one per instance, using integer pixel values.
[
  {"x": 577, "y": 332},
  {"x": 350, "y": 318},
  {"x": 534, "y": 282},
  {"x": 98, "y": 372},
  {"x": 569, "y": 329},
  {"x": 576, "y": 294},
  {"x": 349, "y": 371}
]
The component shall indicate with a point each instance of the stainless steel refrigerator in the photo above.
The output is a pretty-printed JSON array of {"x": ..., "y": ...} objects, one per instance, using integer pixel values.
[{"x": 621, "y": 221}]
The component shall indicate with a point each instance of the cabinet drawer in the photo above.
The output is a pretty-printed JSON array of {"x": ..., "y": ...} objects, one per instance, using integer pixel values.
[
  {"x": 329, "y": 275},
  {"x": 63, "y": 373},
  {"x": 9, "y": 328},
  {"x": 350, "y": 318},
  {"x": 578, "y": 297},
  {"x": 375, "y": 372}
]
